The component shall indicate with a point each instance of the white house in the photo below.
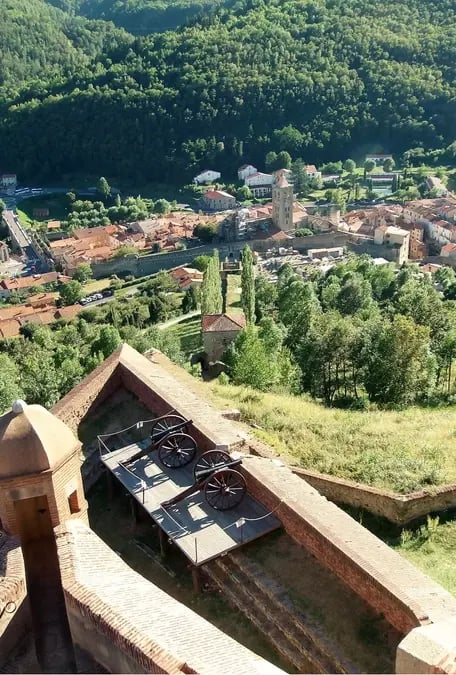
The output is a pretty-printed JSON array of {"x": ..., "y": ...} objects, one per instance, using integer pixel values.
[
  {"x": 246, "y": 170},
  {"x": 312, "y": 171},
  {"x": 207, "y": 176},
  {"x": 258, "y": 179}
]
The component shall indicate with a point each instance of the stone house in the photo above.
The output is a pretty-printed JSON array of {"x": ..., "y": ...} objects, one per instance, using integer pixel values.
[
  {"x": 218, "y": 200},
  {"x": 394, "y": 237},
  {"x": 219, "y": 331}
]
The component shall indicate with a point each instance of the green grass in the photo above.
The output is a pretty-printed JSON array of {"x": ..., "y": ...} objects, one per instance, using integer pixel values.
[
  {"x": 402, "y": 451},
  {"x": 57, "y": 205},
  {"x": 233, "y": 296},
  {"x": 189, "y": 335},
  {"x": 431, "y": 549}
]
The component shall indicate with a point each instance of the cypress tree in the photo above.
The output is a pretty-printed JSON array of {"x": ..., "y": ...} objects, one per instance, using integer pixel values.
[
  {"x": 248, "y": 285},
  {"x": 211, "y": 288}
]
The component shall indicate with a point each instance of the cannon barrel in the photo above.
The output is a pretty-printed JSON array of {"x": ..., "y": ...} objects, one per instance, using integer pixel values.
[
  {"x": 156, "y": 439},
  {"x": 203, "y": 474}
]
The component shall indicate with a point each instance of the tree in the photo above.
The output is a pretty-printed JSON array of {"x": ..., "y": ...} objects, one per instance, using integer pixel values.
[
  {"x": 248, "y": 285},
  {"x": 9, "y": 383},
  {"x": 103, "y": 187},
  {"x": 388, "y": 165},
  {"x": 206, "y": 232},
  {"x": 369, "y": 165},
  {"x": 303, "y": 232},
  {"x": 190, "y": 300},
  {"x": 83, "y": 273},
  {"x": 71, "y": 293},
  {"x": 349, "y": 165},
  {"x": 270, "y": 160},
  {"x": 124, "y": 250},
  {"x": 400, "y": 369},
  {"x": 355, "y": 294},
  {"x": 201, "y": 262},
  {"x": 108, "y": 341},
  {"x": 283, "y": 160},
  {"x": 211, "y": 288},
  {"x": 162, "y": 206},
  {"x": 243, "y": 193},
  {"x": 251, "y": 363}
]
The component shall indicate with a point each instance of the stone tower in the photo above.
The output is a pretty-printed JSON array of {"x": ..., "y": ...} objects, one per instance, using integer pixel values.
[
  {"x": 40, "y": 488},
  {"x": 282, "y": 203}
]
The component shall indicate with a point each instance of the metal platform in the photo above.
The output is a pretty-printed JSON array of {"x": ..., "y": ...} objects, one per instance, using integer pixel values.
[{"x": 200, "y": 531}]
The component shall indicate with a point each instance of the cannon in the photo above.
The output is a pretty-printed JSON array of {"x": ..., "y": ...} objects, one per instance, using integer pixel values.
[
  {"x": 175, "y": 447},
  {"x": 214, "y": 473}
]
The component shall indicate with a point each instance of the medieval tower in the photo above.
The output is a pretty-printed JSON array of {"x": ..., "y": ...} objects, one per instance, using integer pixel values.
[{"x": 282, "y": 203}]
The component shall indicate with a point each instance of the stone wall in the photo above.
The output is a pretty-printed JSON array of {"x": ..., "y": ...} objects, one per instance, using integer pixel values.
[{"x": 143, "y": 265}]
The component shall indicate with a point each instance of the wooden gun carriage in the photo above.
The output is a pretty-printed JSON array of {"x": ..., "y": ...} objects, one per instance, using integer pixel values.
[{"x": 214, "y": 472}]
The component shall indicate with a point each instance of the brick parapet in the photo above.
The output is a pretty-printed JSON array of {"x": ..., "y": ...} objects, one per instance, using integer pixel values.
[
  {"x": 390, "y": 584},
  {"x": 157, "y": 632},
  {"x": 93, "y": 390}
]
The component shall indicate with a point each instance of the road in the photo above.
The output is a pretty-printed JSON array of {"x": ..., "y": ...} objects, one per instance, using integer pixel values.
[{"x": 178, "y": 319}]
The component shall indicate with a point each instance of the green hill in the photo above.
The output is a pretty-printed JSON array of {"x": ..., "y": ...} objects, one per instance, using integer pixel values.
[
  {"x": 139, "y": 16},
  {"x": 322, "y": 80},
  {"x": 44, "y": 45}
]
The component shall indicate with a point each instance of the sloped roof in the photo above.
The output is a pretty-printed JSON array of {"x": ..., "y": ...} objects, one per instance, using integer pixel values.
[{"x": 215, "y": 323}]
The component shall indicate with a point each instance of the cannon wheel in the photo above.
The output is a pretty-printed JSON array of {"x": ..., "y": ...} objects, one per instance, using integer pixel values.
[
  {"x": 212, "y": 459},
  {"x": 164, "y": 423},
  {"x": 177, "y": 450},
  {"x": 225, "y": 489}
]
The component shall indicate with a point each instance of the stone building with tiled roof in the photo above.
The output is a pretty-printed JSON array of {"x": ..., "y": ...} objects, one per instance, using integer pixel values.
[{"x": 219, "y": 331}]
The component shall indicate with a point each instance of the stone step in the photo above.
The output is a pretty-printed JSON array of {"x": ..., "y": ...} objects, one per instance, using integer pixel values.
[
  {"x": 263, "y": 605},
  {"x": 243, "y": 601},
  {"x": 304, "y": 628}
]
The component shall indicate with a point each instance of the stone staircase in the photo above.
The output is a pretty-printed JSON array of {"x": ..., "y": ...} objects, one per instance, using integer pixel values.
[{"x": 296, "y": 637}]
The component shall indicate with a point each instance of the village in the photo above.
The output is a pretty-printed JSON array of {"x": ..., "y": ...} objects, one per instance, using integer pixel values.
[{"x": 36, "y": 262}]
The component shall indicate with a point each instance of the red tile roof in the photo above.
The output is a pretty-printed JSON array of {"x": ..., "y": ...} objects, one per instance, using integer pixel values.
[{"x": 215, "y": 323}]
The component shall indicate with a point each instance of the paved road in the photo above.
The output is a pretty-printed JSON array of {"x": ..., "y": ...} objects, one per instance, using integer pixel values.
[{"x": 178, "y": 319}]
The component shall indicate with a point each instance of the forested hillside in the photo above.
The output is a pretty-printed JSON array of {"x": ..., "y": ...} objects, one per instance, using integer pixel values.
[
  {"x": 42, "y": 44},
  {"x": 320, "y": 79},
  {"x": 139, "y": 16}
]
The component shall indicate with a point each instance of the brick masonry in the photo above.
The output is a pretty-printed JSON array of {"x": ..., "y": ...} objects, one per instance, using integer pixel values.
[{"x": 146, "y": 629}]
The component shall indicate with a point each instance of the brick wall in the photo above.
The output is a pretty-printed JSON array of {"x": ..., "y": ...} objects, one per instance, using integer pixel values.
[{"x": 387, "y": 582}]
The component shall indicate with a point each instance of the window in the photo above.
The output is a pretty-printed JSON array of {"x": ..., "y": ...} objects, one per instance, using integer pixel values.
[{"x": 73, "y": 502}]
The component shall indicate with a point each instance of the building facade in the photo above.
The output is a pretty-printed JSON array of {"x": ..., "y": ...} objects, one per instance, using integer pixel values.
[{"x": 246, "y": 170}]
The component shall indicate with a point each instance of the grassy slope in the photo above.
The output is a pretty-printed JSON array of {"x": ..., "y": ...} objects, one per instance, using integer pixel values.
[
  {"x": 432, "y": 550},
  {"x": 403, "y": 451}
]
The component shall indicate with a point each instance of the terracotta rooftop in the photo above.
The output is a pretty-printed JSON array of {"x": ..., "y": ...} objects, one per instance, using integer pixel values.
[
  {"x": 18, "y": 283},
  {"x": 214, "y": 323},
  {"x": 217, "y": 194}
]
